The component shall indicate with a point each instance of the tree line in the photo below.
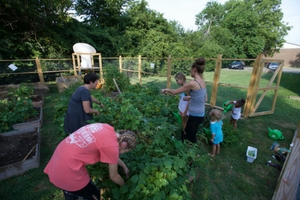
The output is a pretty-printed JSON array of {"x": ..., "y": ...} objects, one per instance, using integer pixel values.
[{"x": 46, "y": 29}]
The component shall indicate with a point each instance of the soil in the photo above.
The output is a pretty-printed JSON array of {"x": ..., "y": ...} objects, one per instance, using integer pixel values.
[{"x": 17, "y": 148}]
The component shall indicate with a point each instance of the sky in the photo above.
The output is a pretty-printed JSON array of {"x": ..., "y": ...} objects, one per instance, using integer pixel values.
[{"x": 185, "y": 11}]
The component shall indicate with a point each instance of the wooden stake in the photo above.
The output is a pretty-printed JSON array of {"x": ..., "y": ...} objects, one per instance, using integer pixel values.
[
  {"x": 117, "y": 86},
  {"x": 29, "y": 153}
]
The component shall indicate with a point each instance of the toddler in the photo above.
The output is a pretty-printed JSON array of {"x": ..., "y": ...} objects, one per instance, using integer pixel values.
[
  {"x": 183, "y": 104},
  {"x": 216, "y": 131},
  {"x": 236, "y": 111}
]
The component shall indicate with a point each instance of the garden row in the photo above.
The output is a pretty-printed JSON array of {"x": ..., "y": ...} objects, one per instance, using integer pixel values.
[
  {"x": 161, "y": 165},
  {"x": 21, "y": 119}
]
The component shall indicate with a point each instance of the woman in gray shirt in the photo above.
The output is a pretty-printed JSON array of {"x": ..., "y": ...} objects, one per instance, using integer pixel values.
[{"x": 197, "y": 98}]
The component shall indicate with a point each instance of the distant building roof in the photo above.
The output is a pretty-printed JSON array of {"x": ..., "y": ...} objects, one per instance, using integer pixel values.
[{"x": 288, "y": 45}]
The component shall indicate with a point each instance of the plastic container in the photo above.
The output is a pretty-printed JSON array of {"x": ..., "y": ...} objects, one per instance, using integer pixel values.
[{"x": 251, "y": 154}]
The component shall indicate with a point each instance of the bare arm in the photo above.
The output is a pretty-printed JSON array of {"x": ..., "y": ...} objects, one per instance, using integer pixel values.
[
  {"x": 87, "y": 109},
  {"x": 125, "y": 169},
  {"x": 114, "y": 175},
  {"x": 187, "y": 86},
  {"x": 212, "y": 137},
  {"x": 94, "y": 100}
]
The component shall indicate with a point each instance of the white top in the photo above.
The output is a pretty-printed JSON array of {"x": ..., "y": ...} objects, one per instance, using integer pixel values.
[
  {"x": 236, "y": 112},
  {"x": 183, "y": 104}
]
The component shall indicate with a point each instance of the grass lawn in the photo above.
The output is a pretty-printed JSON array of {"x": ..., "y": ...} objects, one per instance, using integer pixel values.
[{"x": 227, "y": 176}]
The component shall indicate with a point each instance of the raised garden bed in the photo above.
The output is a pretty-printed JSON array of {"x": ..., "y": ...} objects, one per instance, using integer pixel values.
[
  {"x": 37, "y": 100},
  {"x": 31, "y": 122},
  {"x": 19, "y": 151}
]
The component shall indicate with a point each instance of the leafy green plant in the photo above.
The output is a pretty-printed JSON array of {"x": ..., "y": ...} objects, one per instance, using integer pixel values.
[
  {"x": 112, "y": 72},
  {"x": 22, "y": 91},
  {"x": 17, "y": 108}
]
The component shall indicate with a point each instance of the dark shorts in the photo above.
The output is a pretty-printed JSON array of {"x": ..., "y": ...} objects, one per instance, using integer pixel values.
[{"x": 89, "y": 192}]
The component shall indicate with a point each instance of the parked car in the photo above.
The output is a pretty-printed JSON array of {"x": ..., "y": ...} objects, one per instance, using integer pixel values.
[
  {"x": 237, "y": 65},
  {"x": 273, "y": 65}
]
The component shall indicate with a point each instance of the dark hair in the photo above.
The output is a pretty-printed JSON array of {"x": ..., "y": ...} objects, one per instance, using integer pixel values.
[
  {"x": 242, "y": 101},
  {"x": 91, "y": 77},
  {"x": 199, "y": 64},
  {"x": 128, "y": 137},
  {"x": 180, "y": 75}
]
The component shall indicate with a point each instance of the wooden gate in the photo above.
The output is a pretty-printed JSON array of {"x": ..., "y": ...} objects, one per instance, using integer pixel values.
[{"x": 252, "y": 103}]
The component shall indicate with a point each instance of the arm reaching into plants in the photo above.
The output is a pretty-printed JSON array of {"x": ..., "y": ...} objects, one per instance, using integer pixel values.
[
  {"x": 125, "y": 169},
  {"x": 114, "y": 175},
  {"x": 88, "y": 109},
  {"x": 94, "y": 100}
]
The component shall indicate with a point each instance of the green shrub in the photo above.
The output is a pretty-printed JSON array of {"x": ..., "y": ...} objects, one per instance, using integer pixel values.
[
  {"x": 17, "y": 108},
  {"x": 112, "y": 72}
]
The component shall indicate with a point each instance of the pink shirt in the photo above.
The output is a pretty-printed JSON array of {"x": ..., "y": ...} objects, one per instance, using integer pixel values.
[{"x": 88, "y": 145}]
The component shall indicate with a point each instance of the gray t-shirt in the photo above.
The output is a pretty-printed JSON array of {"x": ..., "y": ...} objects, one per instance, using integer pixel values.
[{"x": 76, "y": 117}]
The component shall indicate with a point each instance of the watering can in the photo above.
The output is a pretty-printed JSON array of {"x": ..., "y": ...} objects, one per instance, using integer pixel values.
[
  {"x": 227, "y": 108},
  {"x": 275, "y": 134},
  {"x": 207, "y": 131},
  {"x": 178, "y": 117}
]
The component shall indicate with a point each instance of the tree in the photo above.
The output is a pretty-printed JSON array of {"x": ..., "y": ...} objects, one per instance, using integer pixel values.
[
  {"x": 28, "y": 27},
  {"x": 244, "y": 27}
]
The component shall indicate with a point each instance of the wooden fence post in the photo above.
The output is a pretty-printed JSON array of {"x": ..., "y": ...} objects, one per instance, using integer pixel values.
[
  {"x": 39, "y": 69},
  {"x": 120, "y": 63},
  {"x": 140, "y": 69},
  {"x": 169, "y": 71},
  {"x": 214, "y": 92}
]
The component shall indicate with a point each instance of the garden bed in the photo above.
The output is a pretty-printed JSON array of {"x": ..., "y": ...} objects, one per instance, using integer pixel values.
[
  {"x": 37, "y": 100},
  {"x": 19, "y": 151},
  {"x": 32, "y": 122}
]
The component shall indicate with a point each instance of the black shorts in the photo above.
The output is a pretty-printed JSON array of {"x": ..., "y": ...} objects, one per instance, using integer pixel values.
[{"x": 89, "y": 192}]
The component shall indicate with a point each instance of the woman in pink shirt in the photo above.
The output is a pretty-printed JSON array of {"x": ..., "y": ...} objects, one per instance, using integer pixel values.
[{"x": 88, "y": 145}]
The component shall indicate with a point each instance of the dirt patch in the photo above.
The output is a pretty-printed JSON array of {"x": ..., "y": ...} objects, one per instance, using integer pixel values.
[{"x": 17, "y": 148}]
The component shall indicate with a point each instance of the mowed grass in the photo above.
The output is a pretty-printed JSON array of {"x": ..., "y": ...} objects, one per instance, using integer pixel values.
[{"x": 227, "y": 176}]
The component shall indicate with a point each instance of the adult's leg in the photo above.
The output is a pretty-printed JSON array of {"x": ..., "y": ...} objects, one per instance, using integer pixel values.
[
  {"x": 192, "y": 128},
  {"x": 69, "y": 195},
  {"x": 89, "y": 192}
]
